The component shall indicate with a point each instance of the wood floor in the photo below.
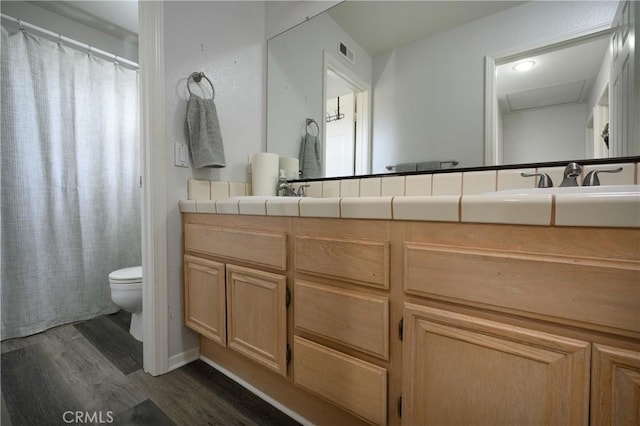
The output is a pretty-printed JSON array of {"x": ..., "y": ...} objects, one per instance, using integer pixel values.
[{"x": 91, "y": 372}]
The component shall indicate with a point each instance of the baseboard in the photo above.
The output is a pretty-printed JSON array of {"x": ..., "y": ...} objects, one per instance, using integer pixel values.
[
  {"x": 297, "y": 417},
  {"x": 183, "y": 358}
]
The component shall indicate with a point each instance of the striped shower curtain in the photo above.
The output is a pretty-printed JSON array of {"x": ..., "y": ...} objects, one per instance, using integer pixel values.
[{"x": 69, "y": 181}]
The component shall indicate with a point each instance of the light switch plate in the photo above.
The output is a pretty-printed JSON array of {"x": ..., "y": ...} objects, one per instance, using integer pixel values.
[{"x": 181, "y": 154}]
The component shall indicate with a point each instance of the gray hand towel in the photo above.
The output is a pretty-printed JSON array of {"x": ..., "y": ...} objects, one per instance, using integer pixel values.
[
  {"x": 310, "y": 157},
  {"x": 205, "y": 139}
]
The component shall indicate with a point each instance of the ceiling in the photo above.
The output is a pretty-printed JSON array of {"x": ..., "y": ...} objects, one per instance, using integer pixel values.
[
  {"x": 384, "y": 25},
  {"x": 560, "y": 76},
  {"x": 118, "y": 18}
]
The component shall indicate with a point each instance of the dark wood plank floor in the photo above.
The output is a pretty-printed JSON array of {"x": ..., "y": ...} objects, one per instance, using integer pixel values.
[{"x": 93, "y": 369}]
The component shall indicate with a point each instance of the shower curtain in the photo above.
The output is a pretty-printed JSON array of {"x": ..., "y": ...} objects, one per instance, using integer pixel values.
[{"x": 69, "y": 181}]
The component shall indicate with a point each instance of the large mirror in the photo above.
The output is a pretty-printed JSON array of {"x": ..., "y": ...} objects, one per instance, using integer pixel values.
[{"x": 423, "y": 85}]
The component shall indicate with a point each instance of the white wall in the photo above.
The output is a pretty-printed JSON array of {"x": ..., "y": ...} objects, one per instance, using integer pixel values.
[
  {"x": 295, "y": 66},
  {"x": 429, "y": 95},
  {"x": 225, "y": 40},
  {"x": 545, "y": 134},
  {"x": 48, "y": 20}
]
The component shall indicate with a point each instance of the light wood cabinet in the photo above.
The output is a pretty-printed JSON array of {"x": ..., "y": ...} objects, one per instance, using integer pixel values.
[
  {"x": 421, "y": 323},
  {"x": 615, "y": 389},
  {"x": 464, "y": 370},
  {"x": 358, "y": 386},
  {"x": 257, "y": 316},
  {"x": 204, "y": 298}
]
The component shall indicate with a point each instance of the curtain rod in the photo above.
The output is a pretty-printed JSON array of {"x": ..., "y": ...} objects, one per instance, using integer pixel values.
[{"x": 74, "y": 43}]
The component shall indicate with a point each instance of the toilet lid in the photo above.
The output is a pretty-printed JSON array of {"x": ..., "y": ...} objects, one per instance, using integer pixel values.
[{"x": 127, "y": 275}]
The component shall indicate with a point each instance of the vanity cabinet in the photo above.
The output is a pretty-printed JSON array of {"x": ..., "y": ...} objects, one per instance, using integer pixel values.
[
  {"x": 341, "y": 341},
  {"x": 520, "y": 325},
  {"x": 420, "y": 323},
  {"x": 232, "y": 295},
  {"x": 461, "y": 369}
]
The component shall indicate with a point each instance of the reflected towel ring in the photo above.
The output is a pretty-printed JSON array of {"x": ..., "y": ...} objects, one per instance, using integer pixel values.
[
  {"x": 312, "y": 121},
  {"x": 197, "y": 77}
]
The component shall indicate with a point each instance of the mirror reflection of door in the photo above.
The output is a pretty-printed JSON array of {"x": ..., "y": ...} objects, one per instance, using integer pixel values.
[
  {"x": 554, "y": 103},
  {"x": 346, "y": 141}
]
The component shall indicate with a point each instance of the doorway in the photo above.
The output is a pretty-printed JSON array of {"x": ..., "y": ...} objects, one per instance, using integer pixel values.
[{"x": 346, "y": 136}]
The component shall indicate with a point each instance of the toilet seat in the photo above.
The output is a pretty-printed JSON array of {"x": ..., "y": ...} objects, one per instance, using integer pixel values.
[{"x": 132, "y": 275}]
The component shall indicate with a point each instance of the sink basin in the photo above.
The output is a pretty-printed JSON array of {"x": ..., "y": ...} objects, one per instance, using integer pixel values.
[{"x": 578, "y": 190}]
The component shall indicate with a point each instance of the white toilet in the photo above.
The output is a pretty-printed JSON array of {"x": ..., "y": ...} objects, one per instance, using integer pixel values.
[{"x": 126, "y": 292}]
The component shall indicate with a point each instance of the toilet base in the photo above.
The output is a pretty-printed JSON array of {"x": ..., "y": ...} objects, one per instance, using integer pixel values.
[{"x": 136, "y": 326}]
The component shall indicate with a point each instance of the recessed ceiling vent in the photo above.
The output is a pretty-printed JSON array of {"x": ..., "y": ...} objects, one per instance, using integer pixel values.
[{"x": 345, "y": 51}]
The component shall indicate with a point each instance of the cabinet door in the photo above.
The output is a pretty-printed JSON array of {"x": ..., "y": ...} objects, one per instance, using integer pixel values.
[
  {"x": 204, "y": 298},
  {"x": 615, "y": 392},
  {"x": 459, "y": 369},
  {"x": 257, "y": 316}
]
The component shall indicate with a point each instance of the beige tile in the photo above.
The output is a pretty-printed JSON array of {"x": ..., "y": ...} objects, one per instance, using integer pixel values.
[
  {"x": 511, "y": 179},
  {"x": 370, "y": 187},
  {"x": 512, "y": 209},
  {"x": 447, "y": 184},
  {"x": 219, "y": 190},
  {"x": 227, "y": 206},
  {"x": 248, "y": 189},
  {"x": 188, "y": 206},
  {"x": 610, "y": 210},
  {"x": 283, "y": 206},
  {"x": 418, "y": 184},
  {"x": 624, "y": 177},
  {"x": 319, "y": 207},
  {"x": 441, "y": 208},
  {"x": 350, "y": 188},
  {"x": 253, "y": 206},
  {"x": 478, "y": 182},
  {"x": 198, "y": 189},
  {"x": 366, "y": 208},
  {"x": 314, "y": 189},
  {"x": 206, "y": 206},
  {"x": 392, "y": 186},
  {"x": 237, "y": 189},
  {"x": 331, "y": 188},
  {"x": 637, "y": 182}
]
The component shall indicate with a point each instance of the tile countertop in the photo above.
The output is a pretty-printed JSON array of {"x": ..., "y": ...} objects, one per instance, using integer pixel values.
[{"x": 621, "y": 210}]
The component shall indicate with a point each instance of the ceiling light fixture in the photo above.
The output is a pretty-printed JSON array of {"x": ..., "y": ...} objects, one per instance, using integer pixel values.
[{"x": 524, "y": 65}]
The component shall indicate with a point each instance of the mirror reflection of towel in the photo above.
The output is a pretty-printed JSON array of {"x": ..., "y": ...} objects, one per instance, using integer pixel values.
[
  {"x": 310, "y": 152},
  {"x": 205, "y": 139}
]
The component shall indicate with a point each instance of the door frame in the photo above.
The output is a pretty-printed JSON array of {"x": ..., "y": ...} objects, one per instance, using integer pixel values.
[{"x": 154, "y": 207}]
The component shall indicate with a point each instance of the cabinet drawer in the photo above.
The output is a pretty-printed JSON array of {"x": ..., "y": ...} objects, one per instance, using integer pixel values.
[
  {"x": 353, "y": 384},
  {"x": 605, "y": 293},
  {"x": 354, "y": 319},
  {"x": 361, "y": 262},
  {"x": 257, "y": 247}
]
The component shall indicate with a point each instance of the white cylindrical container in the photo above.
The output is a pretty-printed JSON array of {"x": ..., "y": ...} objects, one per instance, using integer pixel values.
[
  {"x": 264, "y": 173},
  {"x": 291, "y": 167}
]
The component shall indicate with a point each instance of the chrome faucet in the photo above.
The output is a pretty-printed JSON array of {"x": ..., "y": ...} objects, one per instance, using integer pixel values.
[
  {"x": 286, "y": 189},
  {"x": 544, "y": 182},
  {"x": 591, "y": 179},
  {"x": 571, "y": 174}
]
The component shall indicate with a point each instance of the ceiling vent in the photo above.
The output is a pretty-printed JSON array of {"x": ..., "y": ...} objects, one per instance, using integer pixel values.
[{"x": 345, "y": 52}]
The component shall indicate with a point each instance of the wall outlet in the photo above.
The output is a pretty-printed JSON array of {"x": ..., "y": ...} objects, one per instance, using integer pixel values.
[{"x": 181, "y": 154}]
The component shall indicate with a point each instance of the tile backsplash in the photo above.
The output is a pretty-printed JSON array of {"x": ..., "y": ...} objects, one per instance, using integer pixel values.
[{"x": 456, "y": 183}]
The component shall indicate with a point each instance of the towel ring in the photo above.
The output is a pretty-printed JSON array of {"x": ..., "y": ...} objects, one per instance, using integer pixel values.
[
  {"x": 312, "y": 121},
  {"x": 197, "y": 77}
]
